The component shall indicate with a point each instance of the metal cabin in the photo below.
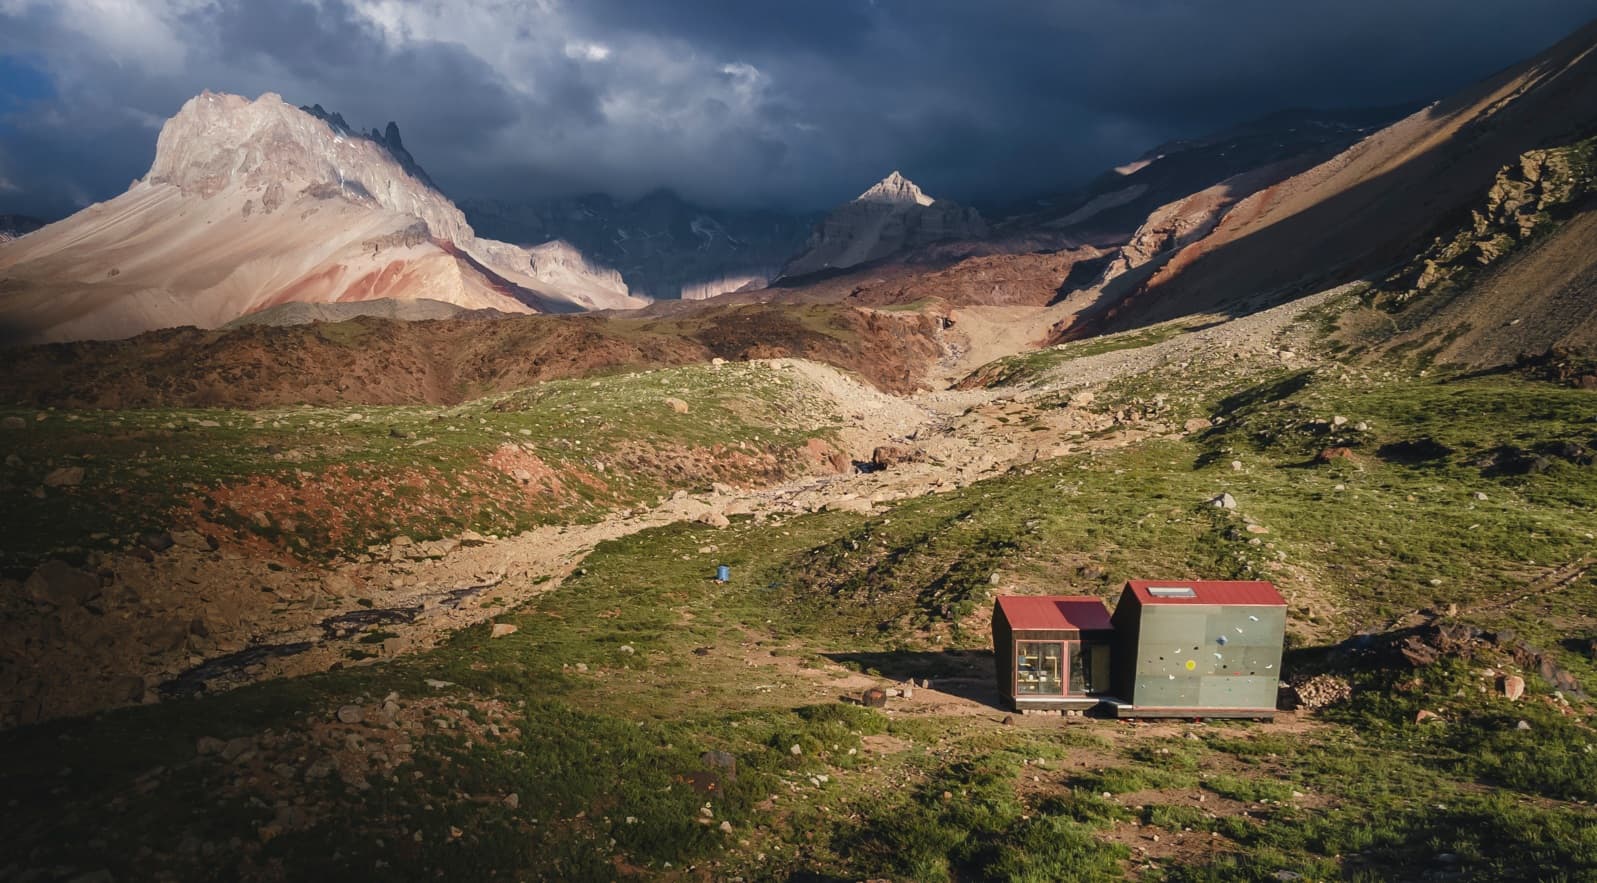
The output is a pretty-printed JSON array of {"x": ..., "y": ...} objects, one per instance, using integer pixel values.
[
  {"x": 1053, "y": 652},
  {"x": 1197, "y": 649}
]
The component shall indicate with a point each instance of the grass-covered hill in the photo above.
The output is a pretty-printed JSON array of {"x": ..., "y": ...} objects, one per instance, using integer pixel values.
[{"x": 645, "y": 721}]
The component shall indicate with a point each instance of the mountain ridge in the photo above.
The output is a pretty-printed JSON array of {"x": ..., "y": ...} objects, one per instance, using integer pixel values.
[{"x": 253, "y": 203}]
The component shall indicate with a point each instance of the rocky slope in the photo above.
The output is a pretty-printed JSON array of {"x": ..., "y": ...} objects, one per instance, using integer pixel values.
[
  {"x": 892, "y": 217},
  {"x": 663, "y": 246},
  {"x": 298, "y": 313},
  {"x": 249, "y": 204},
  {"x": 1517, "y": 280},
  {"x": 1374, "y": 205},
  {"x": 1239, "y": 160},
  {"x": 373, "y": 360}
]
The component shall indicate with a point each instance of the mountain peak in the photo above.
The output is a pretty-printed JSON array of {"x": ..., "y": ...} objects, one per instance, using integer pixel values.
[{"x": 895, "y": 188}]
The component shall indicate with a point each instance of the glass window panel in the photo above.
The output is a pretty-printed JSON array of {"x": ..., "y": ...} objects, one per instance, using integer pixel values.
[
  {"x": 1098, "y": 667},
  {"x": 1078, "y": 669},
  {"x": 1039, "y": 668}
]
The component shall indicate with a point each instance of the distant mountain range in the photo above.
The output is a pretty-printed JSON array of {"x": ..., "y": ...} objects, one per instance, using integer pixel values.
[
  {"x": 1461, "y": 208},
  {"x": 663, "y": 246}
]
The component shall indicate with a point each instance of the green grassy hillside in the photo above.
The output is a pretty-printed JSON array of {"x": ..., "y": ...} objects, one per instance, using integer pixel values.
[{"x": 575, "y": 748}]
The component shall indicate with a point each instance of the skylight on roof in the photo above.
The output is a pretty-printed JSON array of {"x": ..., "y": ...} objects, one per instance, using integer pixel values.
[{"x": 1172, "y": 592}]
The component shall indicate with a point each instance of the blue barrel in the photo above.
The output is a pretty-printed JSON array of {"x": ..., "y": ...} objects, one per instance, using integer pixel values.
[{"x": 723, "y": 573}]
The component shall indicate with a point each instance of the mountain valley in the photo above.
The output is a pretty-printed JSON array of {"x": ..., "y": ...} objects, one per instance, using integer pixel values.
[{"x": 355, "y": 531}]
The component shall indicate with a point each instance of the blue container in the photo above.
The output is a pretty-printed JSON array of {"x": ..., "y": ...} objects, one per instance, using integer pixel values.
[{"x": 723, "y": 574}]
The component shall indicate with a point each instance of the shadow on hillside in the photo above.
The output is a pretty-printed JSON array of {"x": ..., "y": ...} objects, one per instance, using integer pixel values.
[
  {"x": 967, "y": 674},
  {"x": 1378, "y": 223}
]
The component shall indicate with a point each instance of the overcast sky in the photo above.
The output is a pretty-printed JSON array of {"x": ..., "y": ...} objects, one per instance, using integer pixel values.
[{"x": 797, "y": 104}]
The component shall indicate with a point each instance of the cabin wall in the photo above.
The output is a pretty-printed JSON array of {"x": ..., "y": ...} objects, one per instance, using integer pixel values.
[
  {"x": 1003, "y": 655},
  {"x": 1127, "y": 620},
  {"x": 1200, "y": 656}
]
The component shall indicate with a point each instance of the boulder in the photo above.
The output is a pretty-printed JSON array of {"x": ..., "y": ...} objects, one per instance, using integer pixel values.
[
  {"x": 677, "y": 405},
  {"x": 850, "y": 504},
  {"x": 192, "y": 539},
  {"x": 1196, "y": 424},
  {"x": 1513, "y": 687},
  {"x": 156, "y": 540},
  {"x": 714, "y": 518},
  {"x": 888, "y": 456},
  {"x": 722, "y": 762},
  {"x": 1331, "y": 455},
  {"x": 1224, "y": 501},
  {"x": 66, "y": 476},
  {"x": 59, "y": 584},
  {"x": 502, "y": 629}
]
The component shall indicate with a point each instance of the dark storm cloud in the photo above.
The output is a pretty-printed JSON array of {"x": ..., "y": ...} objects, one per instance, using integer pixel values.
[{"x": 796, "y": 103}]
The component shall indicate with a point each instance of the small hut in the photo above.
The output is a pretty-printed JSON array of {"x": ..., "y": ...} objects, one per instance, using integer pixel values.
[
  {"x": 1197, "y": 649},
  {"x": 1052, "y": 652}
]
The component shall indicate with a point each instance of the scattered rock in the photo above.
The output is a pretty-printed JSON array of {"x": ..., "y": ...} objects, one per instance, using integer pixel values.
[
  {"x": 512, "y": 800},
  {"x": 1513, "y": 687},
  {"x": 714, "y": 518},
  {"x": 1338, "y": 421},
  {"x": 1196, "y": 424},
  {"x": 627, "y": 649},
  {"x": 66, "y": 476},
  {"x": 14, "y": 423},
  {"x": 1331, "y": 455},
  {"x": 1224, "y": 501},
  {"x": 240, "y": 748},
  {"x": 1522, "y": 725},
  {"x": 59, "y": 584},
  {"x": 888, "y": 456},
  {"x": 193, "y": 540},
  {"x": 351, "y": 714},
  {"x": 1426, "y": 715},
  {"x": 1480, "y": 496},
  {"x": 874, "y": 698},
  {"x": 722, "y": 762},
  {"x": 795, "y": 749},
  {"x": 677, "y": 405},
  {"x": 1236, "y": 465},
  {"x": 502, "y": 629},
  {"x": 208, "y": 745},
  {"x": 857, "y": 505}
]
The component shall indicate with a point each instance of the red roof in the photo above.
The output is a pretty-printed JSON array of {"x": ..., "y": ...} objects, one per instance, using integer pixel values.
[
  {"x": 1254, "y": 593},
  {"x": 1054, "y": 612}
]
